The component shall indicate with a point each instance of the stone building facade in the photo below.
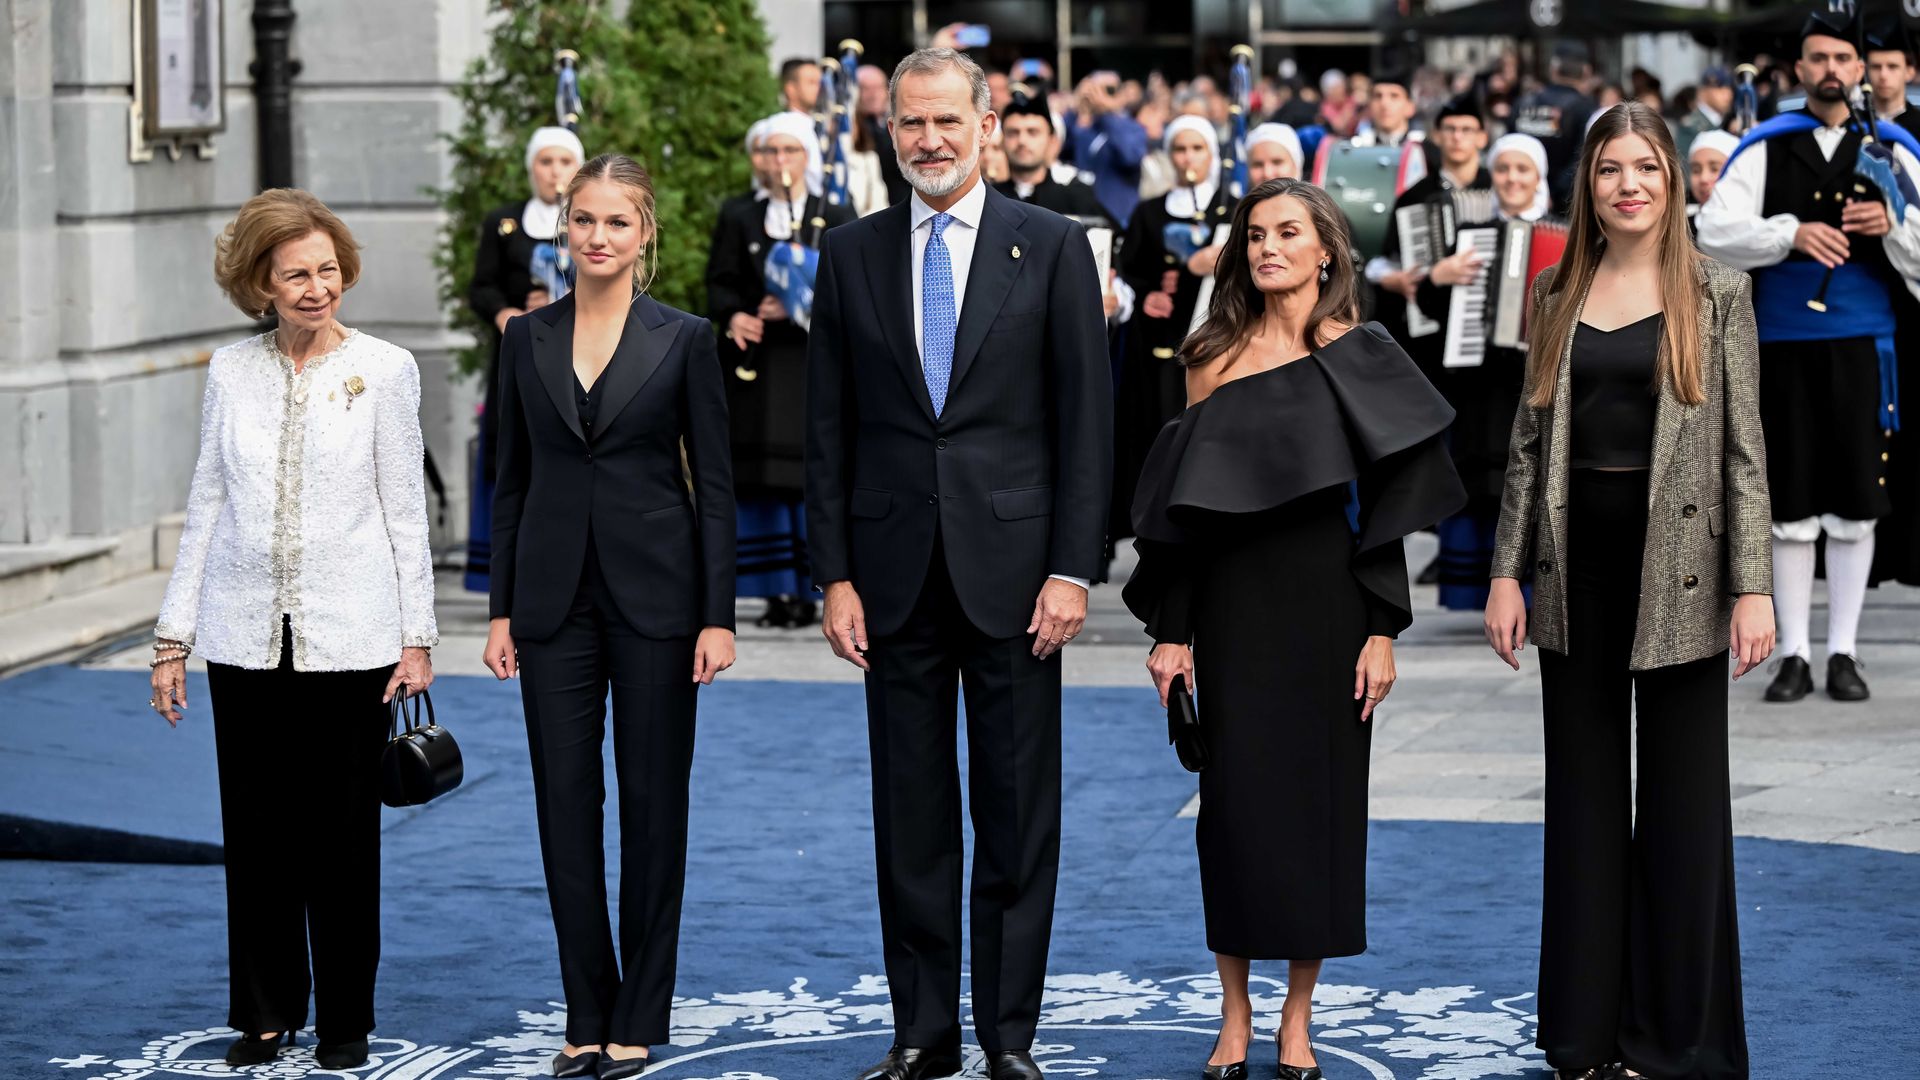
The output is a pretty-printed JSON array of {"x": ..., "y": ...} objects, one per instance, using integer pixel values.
[{"x": 108, "y": 311}]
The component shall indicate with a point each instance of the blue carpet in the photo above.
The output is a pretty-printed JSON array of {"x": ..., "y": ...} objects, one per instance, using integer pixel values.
[{"x": 116, "y": 970}]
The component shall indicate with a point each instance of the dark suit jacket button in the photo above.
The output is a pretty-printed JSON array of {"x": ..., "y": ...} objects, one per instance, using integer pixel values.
[
  {"x": 1689, "y": 511},
  {"x": 933, "y": 500},
  {"x": 588, "y": 459},
  {"x": 1546, "y": 566},
  {"x": 940, "y": 445},
  {"x": 1691, "y": 581}
]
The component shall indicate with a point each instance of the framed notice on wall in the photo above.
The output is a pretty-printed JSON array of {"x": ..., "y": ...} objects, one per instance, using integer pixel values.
[{"x": 181, "y": 61}]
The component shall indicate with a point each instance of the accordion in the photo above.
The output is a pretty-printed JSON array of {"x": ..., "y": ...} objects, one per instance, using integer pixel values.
[{"x": 1492, "y": 309}]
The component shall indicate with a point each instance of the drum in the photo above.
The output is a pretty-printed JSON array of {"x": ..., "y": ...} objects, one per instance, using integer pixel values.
[{"x": 1364, "y": 181}]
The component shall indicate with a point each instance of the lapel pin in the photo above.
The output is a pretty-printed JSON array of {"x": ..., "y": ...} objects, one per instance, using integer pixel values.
[
  {"x": 1016, "y": 251},
  {"x": 355, "y": 387}
]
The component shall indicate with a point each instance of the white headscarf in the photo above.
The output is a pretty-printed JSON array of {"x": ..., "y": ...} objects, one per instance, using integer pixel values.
[
  {"x": 1184, "y": 201},
  {"x": 542, "y": 219},
  {"x": 1530, "y": 146},
  {"x": 780, "y": 212},
  {"x": 754, "y": 133},
  {"x": 1288, "y": 140},
  {"x": 1721, "y": 142}
]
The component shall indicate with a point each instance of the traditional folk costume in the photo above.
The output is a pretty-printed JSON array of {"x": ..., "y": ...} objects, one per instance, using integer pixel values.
[
  {"x": 1161, "y": 236},
  {"x": 520, "y": 251},
  {"x": 766, "y": 383},
  {"x": 1484, "y": 398},
  {"x": 1829, "y": 393}
]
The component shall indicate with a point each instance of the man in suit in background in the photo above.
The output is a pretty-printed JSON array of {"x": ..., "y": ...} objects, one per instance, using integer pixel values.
[{"x": 958, "y": 457}]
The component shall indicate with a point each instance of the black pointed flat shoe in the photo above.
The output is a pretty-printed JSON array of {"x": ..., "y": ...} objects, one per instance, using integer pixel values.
[
  {"x": 1844, "y": 681},
  {"x": 341, "y": 1055},
  {"x": 622, "y": 1068},
  {"x": 1794, "y": 681},
  {"x": 255, "y": 1050},
  {"x": 585, "y": 1063}
]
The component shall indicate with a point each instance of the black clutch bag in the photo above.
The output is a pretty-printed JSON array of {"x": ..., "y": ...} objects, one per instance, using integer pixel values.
[
  {"x": 421, "y": 761},
  {"x": 1183, "y": 726}
]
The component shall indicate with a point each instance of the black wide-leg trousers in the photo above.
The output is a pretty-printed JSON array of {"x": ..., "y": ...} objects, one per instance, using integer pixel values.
[
  {"x": 299, "y": 755},
  {"x": 1013, "y": 743},
  {"x": 1639, "y": 944},
  {"x": 626, "y": 997}
]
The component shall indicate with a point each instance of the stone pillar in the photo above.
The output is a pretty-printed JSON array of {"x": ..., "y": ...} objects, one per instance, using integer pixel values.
[{"x": 33, "y": 412}]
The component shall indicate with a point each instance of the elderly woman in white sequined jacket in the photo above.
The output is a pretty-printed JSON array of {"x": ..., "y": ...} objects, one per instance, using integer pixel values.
[{"x": 305, "y": 581}]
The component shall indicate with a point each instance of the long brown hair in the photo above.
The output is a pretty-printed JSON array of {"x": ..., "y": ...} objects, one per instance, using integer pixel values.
[
  {"x": 1238, "y": 303},
  {"x": 1678, "y": 361},
  {"x": 631, "y": 178}
]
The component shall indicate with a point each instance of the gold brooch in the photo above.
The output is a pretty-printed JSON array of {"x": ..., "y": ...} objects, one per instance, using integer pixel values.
[
  {"x": 355, "y": 387},
  {"x": 1016, "y": 251},
  {"x": 506, "y": 226}
]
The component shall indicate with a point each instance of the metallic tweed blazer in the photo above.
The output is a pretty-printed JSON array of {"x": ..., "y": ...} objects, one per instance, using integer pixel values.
[{"x": 1708, "y": 515}]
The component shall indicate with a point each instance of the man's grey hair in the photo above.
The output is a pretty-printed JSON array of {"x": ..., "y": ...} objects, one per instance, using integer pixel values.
[{"x": 935, "y": 61}]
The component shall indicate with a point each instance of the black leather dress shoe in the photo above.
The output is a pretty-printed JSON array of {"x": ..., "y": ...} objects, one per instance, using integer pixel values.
[
  {"x": 1844, "y": 681},
  {"x": 254, "y": 1050},
  {"x": 915, "y": 1063},
  {"x": 586, "y": 1063},
  {"x": 1013, "y": 1065},
  {"x": 1794, "y": 681},
  {"x": 341, "y": 1055},
  {"x": 622, "y": 1068}
]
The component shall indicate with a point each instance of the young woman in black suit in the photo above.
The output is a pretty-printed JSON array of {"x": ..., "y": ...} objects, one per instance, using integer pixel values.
[{"x": 609, "y": 570}]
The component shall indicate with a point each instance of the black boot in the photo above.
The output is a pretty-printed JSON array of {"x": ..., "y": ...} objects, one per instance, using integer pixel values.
[
  {"x": 1844, "y": 681},
  {"x": 1794, "y": 681}
]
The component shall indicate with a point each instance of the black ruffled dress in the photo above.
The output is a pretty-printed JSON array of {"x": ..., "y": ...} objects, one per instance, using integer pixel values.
[{"x": 1248, "y": 552}]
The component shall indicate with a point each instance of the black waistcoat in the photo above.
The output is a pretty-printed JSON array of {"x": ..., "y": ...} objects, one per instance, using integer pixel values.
[{"x": 1802, "y": 183}]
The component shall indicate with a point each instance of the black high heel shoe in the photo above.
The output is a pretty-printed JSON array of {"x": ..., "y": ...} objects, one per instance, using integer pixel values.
[
  {"x": 1295, "y": 1072},
  {"x": 1234, "y": 1070},
  {"x": 622, "y": 1068},
  {"x": 254, "y": 1050},
  {"x": 585, "y": 1063}
]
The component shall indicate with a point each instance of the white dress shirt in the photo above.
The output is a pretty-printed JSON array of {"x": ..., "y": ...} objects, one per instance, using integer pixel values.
[
  {"x": 309, "y": 501},
  {"x": 1732, "y": 229},
  {"x": 960, "y": 235}
]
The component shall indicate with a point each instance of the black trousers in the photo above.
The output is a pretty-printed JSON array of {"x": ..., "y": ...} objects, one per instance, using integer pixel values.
[
  {"x": 563, "y": 685},
  {"x": 299, "y": 755},
  {"x": 1639, "y": 944},
  {"x": 1013, "y": 741}
]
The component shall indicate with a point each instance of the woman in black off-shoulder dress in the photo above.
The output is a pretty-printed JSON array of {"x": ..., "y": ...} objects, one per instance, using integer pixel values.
[{"x": 1270, "y": 516}]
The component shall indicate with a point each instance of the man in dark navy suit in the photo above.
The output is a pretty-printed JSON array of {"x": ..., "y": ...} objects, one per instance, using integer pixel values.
[{"x": 959, "y": 450}]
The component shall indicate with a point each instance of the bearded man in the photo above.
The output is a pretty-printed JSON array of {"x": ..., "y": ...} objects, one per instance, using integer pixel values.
[{"x": 959, "y": 455}]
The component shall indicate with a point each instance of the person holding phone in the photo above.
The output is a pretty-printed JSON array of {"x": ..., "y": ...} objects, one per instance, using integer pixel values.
[{"x": 1107, "y": 143}]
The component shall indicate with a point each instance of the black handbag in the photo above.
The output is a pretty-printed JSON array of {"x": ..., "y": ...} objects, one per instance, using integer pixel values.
[
  {"x": 421, "y": 761},
  {"x": 1183, "y": 726}
]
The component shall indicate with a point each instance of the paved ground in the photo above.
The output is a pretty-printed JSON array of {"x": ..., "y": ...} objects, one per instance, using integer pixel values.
[{"x": 1460, "y": 741}]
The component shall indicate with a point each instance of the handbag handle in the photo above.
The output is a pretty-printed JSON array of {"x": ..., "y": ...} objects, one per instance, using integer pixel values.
[{"x": 397, "y": 711}]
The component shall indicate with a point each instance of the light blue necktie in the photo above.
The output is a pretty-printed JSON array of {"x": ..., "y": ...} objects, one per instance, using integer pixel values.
[{"x": 937, "y": 314}]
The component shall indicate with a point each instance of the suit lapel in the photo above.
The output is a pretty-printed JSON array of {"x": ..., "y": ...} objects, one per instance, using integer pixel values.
[
  {"x": 553, "y": 359},
  {"x": 1670, "y": 413},
  {"x": 1561, "y": 418},
  {"x": 889, "y": 269},
  {"x": 989, "y": 280},
  {"x": 643, "y": 346}
]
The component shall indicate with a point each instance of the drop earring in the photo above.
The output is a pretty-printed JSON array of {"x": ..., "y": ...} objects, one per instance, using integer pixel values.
[{"x": 1323, "y": 273}]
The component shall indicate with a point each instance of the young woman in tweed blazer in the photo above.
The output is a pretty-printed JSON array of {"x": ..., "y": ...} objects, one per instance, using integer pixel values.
[{"x": 1636, "y": 486}]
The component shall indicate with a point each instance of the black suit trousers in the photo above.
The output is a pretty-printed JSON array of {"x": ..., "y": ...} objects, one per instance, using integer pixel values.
[
  {"x": 1013, "y": 740},
  {"x": 299, "y": 756},
  {"x": 1639, "y": 939},
  {"x": 564, "y": 680}
]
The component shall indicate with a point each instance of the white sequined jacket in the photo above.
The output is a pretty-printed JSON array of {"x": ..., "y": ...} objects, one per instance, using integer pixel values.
[{"x": 308, "y": 501}]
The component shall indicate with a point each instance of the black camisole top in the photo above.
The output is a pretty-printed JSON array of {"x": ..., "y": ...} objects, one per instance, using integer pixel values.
[{"x": 1613, "y": 394}]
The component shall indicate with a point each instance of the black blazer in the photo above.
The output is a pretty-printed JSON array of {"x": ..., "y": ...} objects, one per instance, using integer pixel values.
[
  {"x": 667, "y": 553},
  {"x": 1015, "y": 472}
]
